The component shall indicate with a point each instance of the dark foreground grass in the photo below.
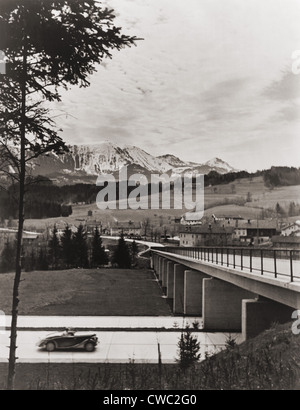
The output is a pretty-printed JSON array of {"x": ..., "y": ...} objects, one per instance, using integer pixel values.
[
  {"x": 268, "y": 362},
  {"x": 81, "y": 292}
]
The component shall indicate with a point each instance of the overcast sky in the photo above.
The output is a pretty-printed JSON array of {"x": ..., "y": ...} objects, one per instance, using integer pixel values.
[{"x": 212, "y": 78}]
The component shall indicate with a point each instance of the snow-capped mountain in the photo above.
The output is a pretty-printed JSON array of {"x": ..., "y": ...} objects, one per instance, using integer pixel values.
[
  {"x": 109, "y": 158},
  {"x": 220, "y": 166},
  {"x": 173, "y": 161}
]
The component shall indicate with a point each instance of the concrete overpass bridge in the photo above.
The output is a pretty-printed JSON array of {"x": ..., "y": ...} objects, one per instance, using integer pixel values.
[{"x": 232, "y": 289}]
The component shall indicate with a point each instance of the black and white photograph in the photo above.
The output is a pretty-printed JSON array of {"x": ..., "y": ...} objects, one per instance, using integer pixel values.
[{"x": 149, "y": 197}]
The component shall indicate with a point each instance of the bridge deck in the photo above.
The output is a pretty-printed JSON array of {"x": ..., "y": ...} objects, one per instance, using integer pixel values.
[{"x": 283, "y": 265}]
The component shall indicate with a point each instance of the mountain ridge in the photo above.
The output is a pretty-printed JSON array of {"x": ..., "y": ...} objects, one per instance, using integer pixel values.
[{"x": 109, "y": 158}]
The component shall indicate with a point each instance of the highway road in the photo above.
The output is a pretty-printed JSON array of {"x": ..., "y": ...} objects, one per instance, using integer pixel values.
[
  {"x": 114, "y": 347},
  {"x": 109, "y": 323},
  {"x": 149, "y": 244}
]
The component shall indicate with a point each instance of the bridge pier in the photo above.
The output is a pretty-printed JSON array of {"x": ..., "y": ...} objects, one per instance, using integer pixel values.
[
  {"x": 226, "y": 298},
  {"x": 222, "y": 305},
  {"x": 178, "y": 301},
  {"x": 157, "y": 266},
  {"x": 170, "y": 280},
  {"x": 164, "y": 275},
  {"x": 160, "y": 268},
  {"x": 259, "y": 314},
  {"x": 193, "y": 290},
  {"x": 155, "y": 258}
]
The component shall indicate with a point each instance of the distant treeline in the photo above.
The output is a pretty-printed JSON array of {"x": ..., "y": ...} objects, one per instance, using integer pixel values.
[
  {"x": 273, "y": 177},
  {"x": 214, "y": 178},
  {"x": 282, "y": 176},
  {"x": 35, "y": 208},
  {"x": 43, "y": 200}
]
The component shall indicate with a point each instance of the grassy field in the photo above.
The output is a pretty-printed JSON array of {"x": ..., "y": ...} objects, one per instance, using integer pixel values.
[
  {"x": 78, "y": 292},
  {"x": 246, "y": 212},
  {"x": 219, "y": 199},
  {"x": 268, "y": 362},
  {"x": 262, "y": 197}
]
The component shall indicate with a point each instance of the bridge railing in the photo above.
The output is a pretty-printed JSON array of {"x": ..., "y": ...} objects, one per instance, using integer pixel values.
[{"x": 274, "y": 262}]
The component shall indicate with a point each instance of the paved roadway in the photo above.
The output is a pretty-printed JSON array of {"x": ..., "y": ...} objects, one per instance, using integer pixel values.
[
  {"x": 116, "y": 344},
  {"x": 140, "y": 241},
  {"x": 148, "y": 244},
  {"x": 101, "y": 322},
  {"x": 114, "y": 347}
]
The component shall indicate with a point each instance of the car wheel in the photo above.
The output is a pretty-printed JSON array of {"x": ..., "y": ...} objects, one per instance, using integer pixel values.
[
  {"x": 89, "y": 347},
  {"x": 50, "y": 347}
]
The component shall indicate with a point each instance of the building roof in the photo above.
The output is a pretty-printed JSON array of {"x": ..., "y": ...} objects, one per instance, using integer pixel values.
[
  {"x": 296, "y": 223},
  {"x": 233, "y": 217},
  {"x": 254, "y": 224},
  {"x": 285, "y": 239},
  {"x": 193, "y": 216},
  {"x": 208, "y": 229},
  {"x": 126, "y": 225}
]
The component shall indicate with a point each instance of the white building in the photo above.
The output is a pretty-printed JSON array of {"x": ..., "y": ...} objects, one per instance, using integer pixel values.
[
  {"x": 192, "y": 218},
  {"x": 291, "y": 229}
]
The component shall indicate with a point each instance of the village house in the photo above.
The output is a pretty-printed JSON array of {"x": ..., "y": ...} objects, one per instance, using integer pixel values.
[
  {"x": 191, "y": 218},
  {"x": 126, "y": 228},
  {"x": 195, "y": 218},
  {"x": 253, "y": 231},
  {"x": 92, "y": 225},
  {"x": 61, "y": 226},
  {"x": 286, "y": 242},
  {"x": 10, "y": 234},
  {"x": 291, "y": 229},
  {"x": 206, "y": 235},
  {"x": 229, "y": 231},
  {"x": 220, "y": 218}
]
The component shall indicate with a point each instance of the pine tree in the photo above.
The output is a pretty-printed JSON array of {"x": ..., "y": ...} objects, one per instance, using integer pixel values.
[
  {"x": 8, "y": 257},
  {"x": 188, "y": 349},
  {"x": 99, "y": 256},
  {"x": 42, "y": 260},
  {"x": 80, "y": 248},
  {"x": 292, "y": 209},
  {"x": 279, "y": 210},
  {"x": 134, "y": 252},
  {"x": 122, "y": 255},
  {"x": 54, "y": 249},
  {"x": 30, "y": 261},
  {"x": 67, "y": 247}
]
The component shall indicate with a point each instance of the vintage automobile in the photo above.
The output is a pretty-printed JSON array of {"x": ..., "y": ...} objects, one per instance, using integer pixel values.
[{"x": 69, "y": 340}]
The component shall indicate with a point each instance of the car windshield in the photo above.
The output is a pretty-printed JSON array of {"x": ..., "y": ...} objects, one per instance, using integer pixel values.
[
  {"x": 53, "y": 334},
  {"x": 68, "y": 332}
]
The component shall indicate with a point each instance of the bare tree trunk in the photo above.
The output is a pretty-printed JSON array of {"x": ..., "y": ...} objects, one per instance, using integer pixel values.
[{"x": 17, "y": 279}]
